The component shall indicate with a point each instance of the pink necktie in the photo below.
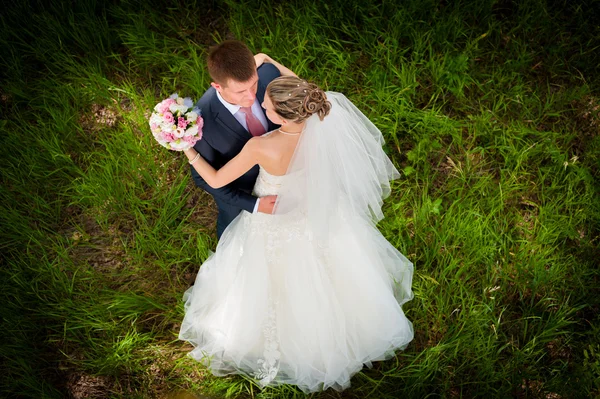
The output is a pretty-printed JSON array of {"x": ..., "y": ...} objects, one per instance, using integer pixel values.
[{"x": 254, "y": 126}]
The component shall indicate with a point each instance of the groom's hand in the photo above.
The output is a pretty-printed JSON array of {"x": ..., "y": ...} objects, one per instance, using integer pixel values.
[{"x": 266, "y": 204}]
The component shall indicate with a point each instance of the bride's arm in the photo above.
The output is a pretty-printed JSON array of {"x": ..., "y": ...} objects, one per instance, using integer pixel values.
[
  {"x": 261, "y": 58},
  {"x": 233, "y": 169}
]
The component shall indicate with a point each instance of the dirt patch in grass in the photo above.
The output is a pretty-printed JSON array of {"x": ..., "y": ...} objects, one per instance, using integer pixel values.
[
  {"x": 585, "y": 116},
  {"x": 100, "y": 117},
  {"x": 528, "y": 212},
  {"x": 101, "y": 248},
  {"x": 83, "y": 386}
]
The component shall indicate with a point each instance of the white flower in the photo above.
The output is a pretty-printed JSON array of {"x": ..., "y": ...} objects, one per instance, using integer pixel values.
[
  {"x": 180, "y": 145},
  {"x": 179, "y": 132},
  {"x": 174, "y": 108},
  {"x": 192, "y": 131},
  {"x": 168, "y": 127},
  {"x": 156, "y": 119},
  {"x": 191, "y": 116},
  {"x": 179, "y": 101}
]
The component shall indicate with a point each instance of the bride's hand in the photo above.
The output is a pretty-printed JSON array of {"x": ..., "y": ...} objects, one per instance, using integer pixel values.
[{"x": 260, "y": 59}]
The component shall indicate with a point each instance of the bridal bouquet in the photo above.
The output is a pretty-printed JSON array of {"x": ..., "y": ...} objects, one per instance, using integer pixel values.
[{"x": 176, "y": 124}]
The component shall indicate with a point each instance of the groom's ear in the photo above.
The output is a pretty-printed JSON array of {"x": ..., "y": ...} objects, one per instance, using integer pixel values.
[{"x": 217, "y": 86}]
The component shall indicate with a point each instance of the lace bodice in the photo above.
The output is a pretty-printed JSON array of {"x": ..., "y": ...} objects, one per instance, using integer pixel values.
[{"x": 267, "y": 184}]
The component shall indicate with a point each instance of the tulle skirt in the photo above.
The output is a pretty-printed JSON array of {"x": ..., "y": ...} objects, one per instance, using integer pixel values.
[{"x": 276, "y": 304}]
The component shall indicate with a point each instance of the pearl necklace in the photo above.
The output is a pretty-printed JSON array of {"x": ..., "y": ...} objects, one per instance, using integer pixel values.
[{"x": 288, "y": 133}]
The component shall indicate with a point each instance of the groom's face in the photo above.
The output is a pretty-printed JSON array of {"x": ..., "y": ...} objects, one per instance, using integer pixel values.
[{"x": 239, "y": 93}]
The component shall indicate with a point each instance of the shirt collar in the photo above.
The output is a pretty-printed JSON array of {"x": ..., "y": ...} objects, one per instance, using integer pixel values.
[{"x": 230, "y": 107}]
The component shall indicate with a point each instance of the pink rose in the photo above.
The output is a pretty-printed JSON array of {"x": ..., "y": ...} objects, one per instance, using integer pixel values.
[
  {"x": 168, "y": 117},
  {"x": 182, "y": 123},
  {"x": 168, "y": 136},
  {"x": 162, "y": 108},
  {"x": 200, "y": 122},
  {"x": 165, "y": 104},
  {"x": 190, "y": 139}
]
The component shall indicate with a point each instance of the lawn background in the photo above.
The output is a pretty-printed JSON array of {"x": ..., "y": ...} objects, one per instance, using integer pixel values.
[{"x": 491, "y": 109}]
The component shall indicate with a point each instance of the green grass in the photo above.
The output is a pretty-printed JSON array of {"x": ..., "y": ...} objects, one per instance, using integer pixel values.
[{"x": 491, "y": 109}]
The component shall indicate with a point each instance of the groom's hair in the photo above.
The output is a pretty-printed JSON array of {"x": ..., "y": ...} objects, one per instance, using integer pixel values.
[{"x": 230, "y": 59}]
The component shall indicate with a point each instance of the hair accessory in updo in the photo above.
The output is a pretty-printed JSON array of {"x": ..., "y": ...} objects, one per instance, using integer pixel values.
[{"x": 296, "y": 100}]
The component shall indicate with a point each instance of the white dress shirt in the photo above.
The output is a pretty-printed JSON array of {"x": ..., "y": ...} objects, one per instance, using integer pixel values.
[{"x": 241, "y": 118}]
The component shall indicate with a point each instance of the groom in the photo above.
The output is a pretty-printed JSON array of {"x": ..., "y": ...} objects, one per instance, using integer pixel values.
[{"x": 232, "y": 113}]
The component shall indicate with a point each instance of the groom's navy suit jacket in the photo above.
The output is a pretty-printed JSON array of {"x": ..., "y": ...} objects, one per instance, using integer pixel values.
[{"x": 222, "y": 139}]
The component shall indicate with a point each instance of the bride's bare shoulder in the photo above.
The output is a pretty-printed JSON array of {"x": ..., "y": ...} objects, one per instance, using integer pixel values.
[
  {"x": 261, "y": 145},
  {"x": 266, "y": 140},
  {"x": 265, "y": 147}
]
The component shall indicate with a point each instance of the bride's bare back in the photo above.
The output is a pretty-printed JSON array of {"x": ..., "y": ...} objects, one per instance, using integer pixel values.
[{"x": 274, "y": 151}]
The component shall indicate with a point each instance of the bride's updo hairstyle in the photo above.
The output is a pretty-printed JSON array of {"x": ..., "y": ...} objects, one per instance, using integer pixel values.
[{"x": 296, "y": 100}]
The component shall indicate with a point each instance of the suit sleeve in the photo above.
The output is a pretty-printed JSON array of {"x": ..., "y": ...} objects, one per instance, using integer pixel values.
[{"x": 230, "y": 195}]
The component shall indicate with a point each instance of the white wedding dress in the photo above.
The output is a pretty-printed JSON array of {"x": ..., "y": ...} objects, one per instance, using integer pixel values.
[{"x": 279, "y": 304}]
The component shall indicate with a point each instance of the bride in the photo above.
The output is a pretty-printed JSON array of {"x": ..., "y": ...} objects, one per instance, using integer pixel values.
[{"x": 313, "y": 292}]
